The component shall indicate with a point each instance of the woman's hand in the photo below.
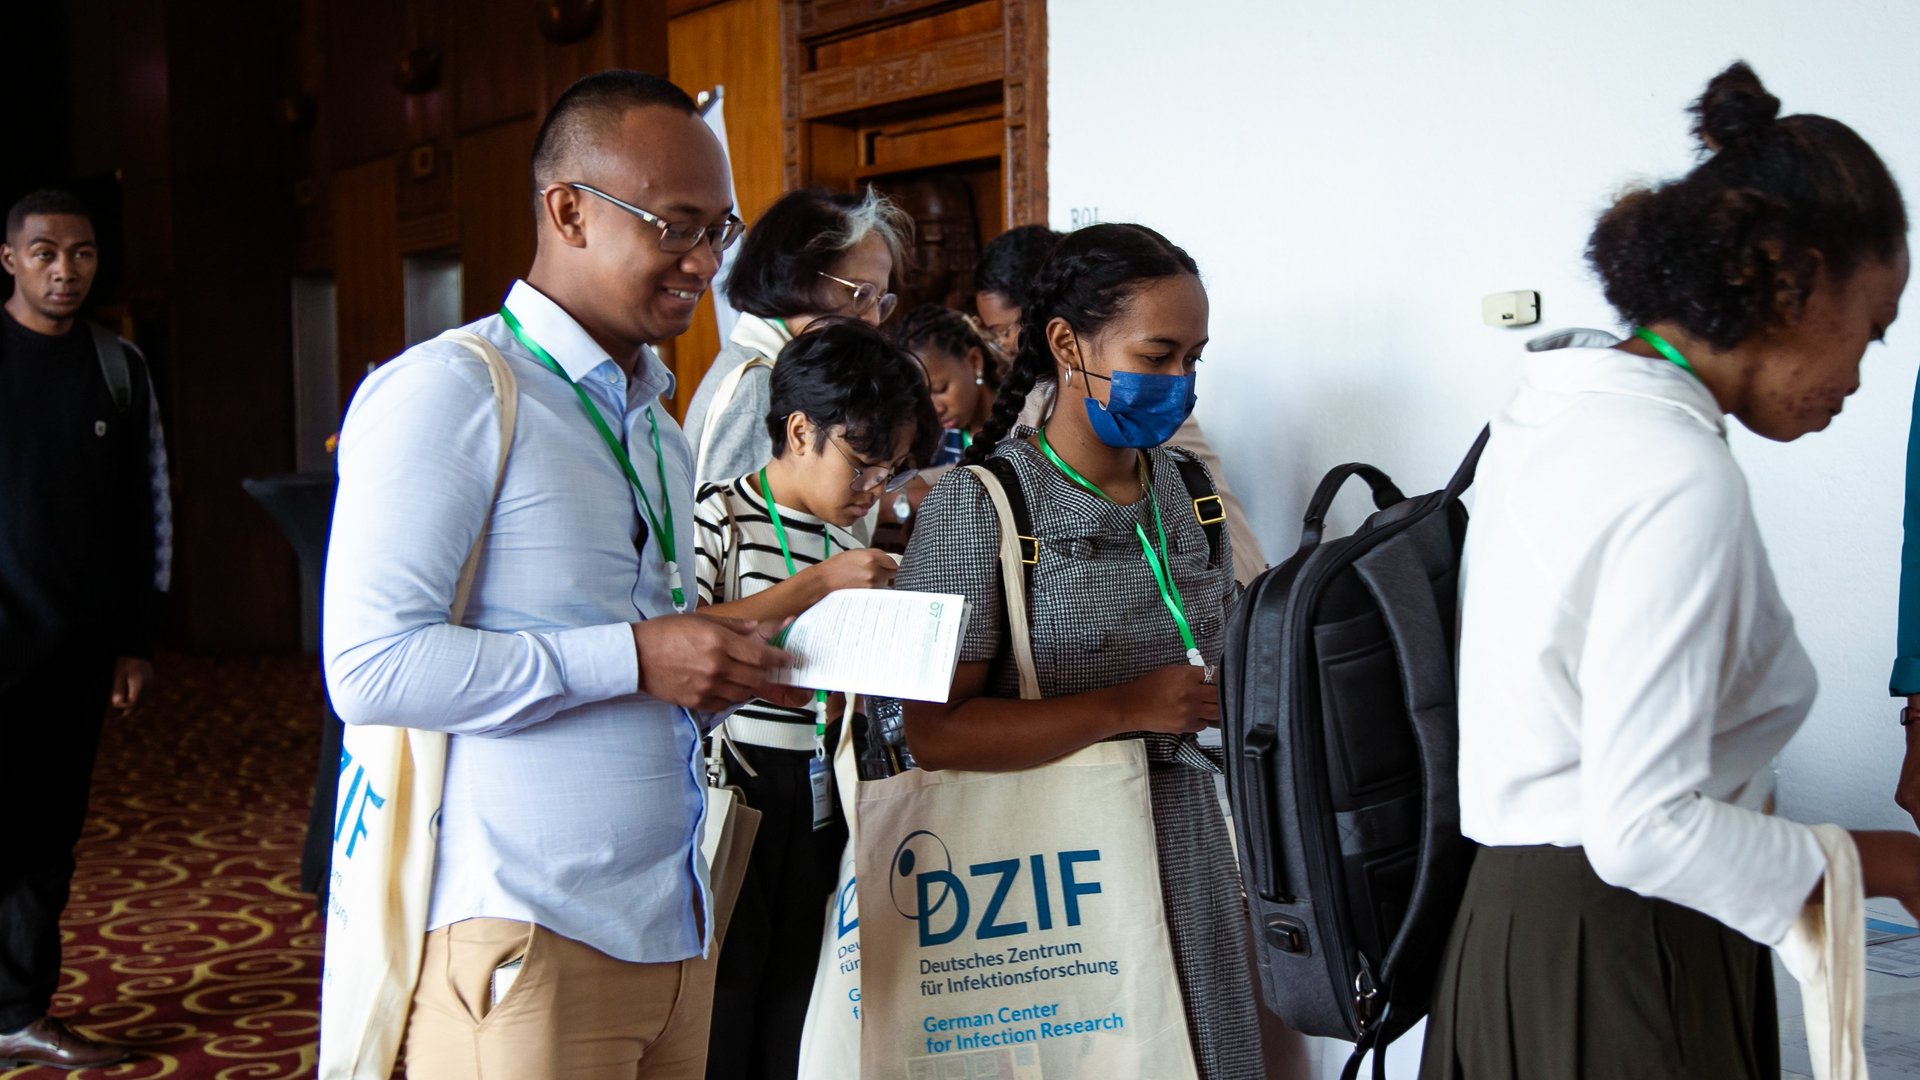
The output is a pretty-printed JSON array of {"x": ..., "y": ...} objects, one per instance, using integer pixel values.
[
  {"x": 1890, "y": 866},
  {"x": 1175, "y": 699},
  {"x": 868, "y": 568}
]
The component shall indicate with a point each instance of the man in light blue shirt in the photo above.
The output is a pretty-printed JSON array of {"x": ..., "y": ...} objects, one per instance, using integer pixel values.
[{"x": 567, "y": 866}]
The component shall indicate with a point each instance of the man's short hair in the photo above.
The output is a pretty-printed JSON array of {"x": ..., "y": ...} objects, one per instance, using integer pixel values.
[
  {"x": 587, "y": 111},
  {"x": 44, "y": 201}
]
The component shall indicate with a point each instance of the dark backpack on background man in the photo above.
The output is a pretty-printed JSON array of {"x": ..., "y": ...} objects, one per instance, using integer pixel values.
[
  {"x": 1338, "y": 714},
  {"x": 113, "y": 366}
]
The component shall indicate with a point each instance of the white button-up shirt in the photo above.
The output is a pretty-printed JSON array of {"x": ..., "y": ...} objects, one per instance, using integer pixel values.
[
  {"x": 1628, "y": 670},
  {"x": 572, "y": 801}
]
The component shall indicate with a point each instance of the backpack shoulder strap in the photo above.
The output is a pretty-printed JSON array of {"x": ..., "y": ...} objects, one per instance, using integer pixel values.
[
  {"x": 506, "y": 394},
  {"x": 722, "y": 397},
  {"x": 1002, "y": 485},
  {"x": 1016, "y": 497},
  {"x": 1208, "y": 508},
  {"x": 113, "y": 366},
  {"x": 732, "y": 570}
]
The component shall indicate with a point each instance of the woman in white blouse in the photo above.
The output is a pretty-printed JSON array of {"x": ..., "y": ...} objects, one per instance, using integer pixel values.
[{"x": 1627, "y": 667}]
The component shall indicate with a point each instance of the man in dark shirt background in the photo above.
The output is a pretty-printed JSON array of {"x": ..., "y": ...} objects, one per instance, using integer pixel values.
[{"x": 76, "y": 597}]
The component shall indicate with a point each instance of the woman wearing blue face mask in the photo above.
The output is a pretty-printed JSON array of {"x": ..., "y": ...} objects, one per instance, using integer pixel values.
[{"x": 1128, "y": 597}]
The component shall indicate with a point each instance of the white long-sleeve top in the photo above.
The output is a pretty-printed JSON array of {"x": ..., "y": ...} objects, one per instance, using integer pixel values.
[{"x": 1628, "y": 669}]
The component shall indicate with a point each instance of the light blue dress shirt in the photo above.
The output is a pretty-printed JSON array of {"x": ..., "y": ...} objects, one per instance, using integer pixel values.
[{"x": 572, "y": 800}]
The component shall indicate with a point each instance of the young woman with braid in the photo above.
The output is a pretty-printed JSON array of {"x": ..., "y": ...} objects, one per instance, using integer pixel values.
[
  {"x": 962, "y": 372},
  {"x": 1117, "y": 319}
]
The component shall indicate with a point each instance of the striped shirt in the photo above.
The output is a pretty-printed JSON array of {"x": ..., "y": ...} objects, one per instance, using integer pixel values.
[{"x": 751, "y": 537}]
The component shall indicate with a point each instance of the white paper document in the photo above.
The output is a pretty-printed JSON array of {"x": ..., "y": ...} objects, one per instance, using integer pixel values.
[
  {"x": 882, "y": 642},
  {"x": 1895, "y": 956}
]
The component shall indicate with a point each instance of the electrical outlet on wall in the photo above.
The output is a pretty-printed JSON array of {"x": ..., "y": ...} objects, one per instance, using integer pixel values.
[{"x": 1521, "y": 308}]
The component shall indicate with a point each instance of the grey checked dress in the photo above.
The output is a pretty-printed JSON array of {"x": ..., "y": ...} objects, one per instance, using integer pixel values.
[{"x": 1098, "y": 621}]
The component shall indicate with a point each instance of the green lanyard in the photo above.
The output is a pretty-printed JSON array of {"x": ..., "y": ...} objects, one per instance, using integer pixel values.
[
  {"x": 1156, "y": 561},
  {"x": 826, "y": 552},
  {"x": 662, "y": 532},
  {"x": 780, "y": 529},
  {"x": 1664, "y": 348},
  {"x": 966, "y": 439}
]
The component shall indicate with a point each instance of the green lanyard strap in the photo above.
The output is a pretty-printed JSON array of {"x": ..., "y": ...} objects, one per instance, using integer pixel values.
[
  {"x": 1158, "y": 562},
  {"x": 1664, "y": 348},
  {"x": 663, "y": 532},
  {"x": 780, "y": 529},
  {"x": 826, "y": 552}
]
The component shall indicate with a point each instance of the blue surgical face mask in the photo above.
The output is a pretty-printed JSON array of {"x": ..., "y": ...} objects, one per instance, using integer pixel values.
[{"x": 1142, "y": 411}]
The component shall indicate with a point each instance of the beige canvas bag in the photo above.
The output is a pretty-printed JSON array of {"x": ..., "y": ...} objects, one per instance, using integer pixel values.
[
  {"x": 1012, "y": 923},
  {"x": 391, "y": 781}
]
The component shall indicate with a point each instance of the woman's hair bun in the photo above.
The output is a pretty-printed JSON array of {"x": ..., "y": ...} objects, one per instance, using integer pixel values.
[{"x": 1734, "y": 108}]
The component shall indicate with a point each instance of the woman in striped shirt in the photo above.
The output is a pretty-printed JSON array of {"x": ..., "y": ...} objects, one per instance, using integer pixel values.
[{"x": 850, "y": 417}]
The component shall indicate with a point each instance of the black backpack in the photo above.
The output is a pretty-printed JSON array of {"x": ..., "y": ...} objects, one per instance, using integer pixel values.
[
  {"x": 1338, "y": 714},
  {"x": 113, "y": 366}
]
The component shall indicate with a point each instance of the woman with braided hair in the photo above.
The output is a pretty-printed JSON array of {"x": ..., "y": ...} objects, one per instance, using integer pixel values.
[
  {"x": 963, "y": 372},
  {"x": 1128, "y": 599}
]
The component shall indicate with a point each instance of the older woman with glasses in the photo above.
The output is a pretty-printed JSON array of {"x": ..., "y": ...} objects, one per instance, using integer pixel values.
[{"x": 814, "y": 253}]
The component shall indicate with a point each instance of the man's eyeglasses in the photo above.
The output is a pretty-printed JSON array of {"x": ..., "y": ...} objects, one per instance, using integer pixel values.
[
  {"x": 866, "y": 295},
  {"x": 868, "y": 477},
  {"x": 677, "y": 237}
]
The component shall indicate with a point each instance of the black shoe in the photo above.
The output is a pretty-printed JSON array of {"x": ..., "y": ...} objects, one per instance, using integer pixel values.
[{"x": 49, "y": 1041}]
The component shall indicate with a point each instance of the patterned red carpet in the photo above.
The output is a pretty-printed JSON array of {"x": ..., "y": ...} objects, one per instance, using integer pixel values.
[{"x": 187, "y": 936}]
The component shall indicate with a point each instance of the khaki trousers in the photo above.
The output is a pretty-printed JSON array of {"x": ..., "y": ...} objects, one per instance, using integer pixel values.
[{"x": 573, "y": 1013}]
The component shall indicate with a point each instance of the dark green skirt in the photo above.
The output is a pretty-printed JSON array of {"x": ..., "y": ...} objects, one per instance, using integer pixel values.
[{"x": 1552, "y": 974}]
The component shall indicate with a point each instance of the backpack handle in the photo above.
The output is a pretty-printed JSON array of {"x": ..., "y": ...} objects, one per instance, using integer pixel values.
[
  {"x": 1384, "y": 495},
  {"x": 1463, "y": 476}
]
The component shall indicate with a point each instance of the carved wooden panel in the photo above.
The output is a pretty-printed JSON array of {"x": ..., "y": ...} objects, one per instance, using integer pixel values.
[
  {"x": 926, "y": 142},
  {"x": 918, "y": 60},
  {"x": 980, "y": 16},
  {"x": 794, "y": 135},
  {"x": 1026, "y": 113},
  {"x": 953, "y": 65},
  {"x": 818, "y": 17}
]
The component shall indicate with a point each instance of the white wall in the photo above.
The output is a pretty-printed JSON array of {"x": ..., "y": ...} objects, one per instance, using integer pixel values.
[{"x": 1352, "y": 177}]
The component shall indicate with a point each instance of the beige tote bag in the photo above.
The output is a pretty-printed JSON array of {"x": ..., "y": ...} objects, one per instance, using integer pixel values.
[
  {"x": 391, "y": 780},
  {"x": 1013, "y": 922},
  {"x": 830, "y": 1038}
]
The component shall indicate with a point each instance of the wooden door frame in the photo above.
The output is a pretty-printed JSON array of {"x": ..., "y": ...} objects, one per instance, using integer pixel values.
[{"x": 1023, "y": 98}]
